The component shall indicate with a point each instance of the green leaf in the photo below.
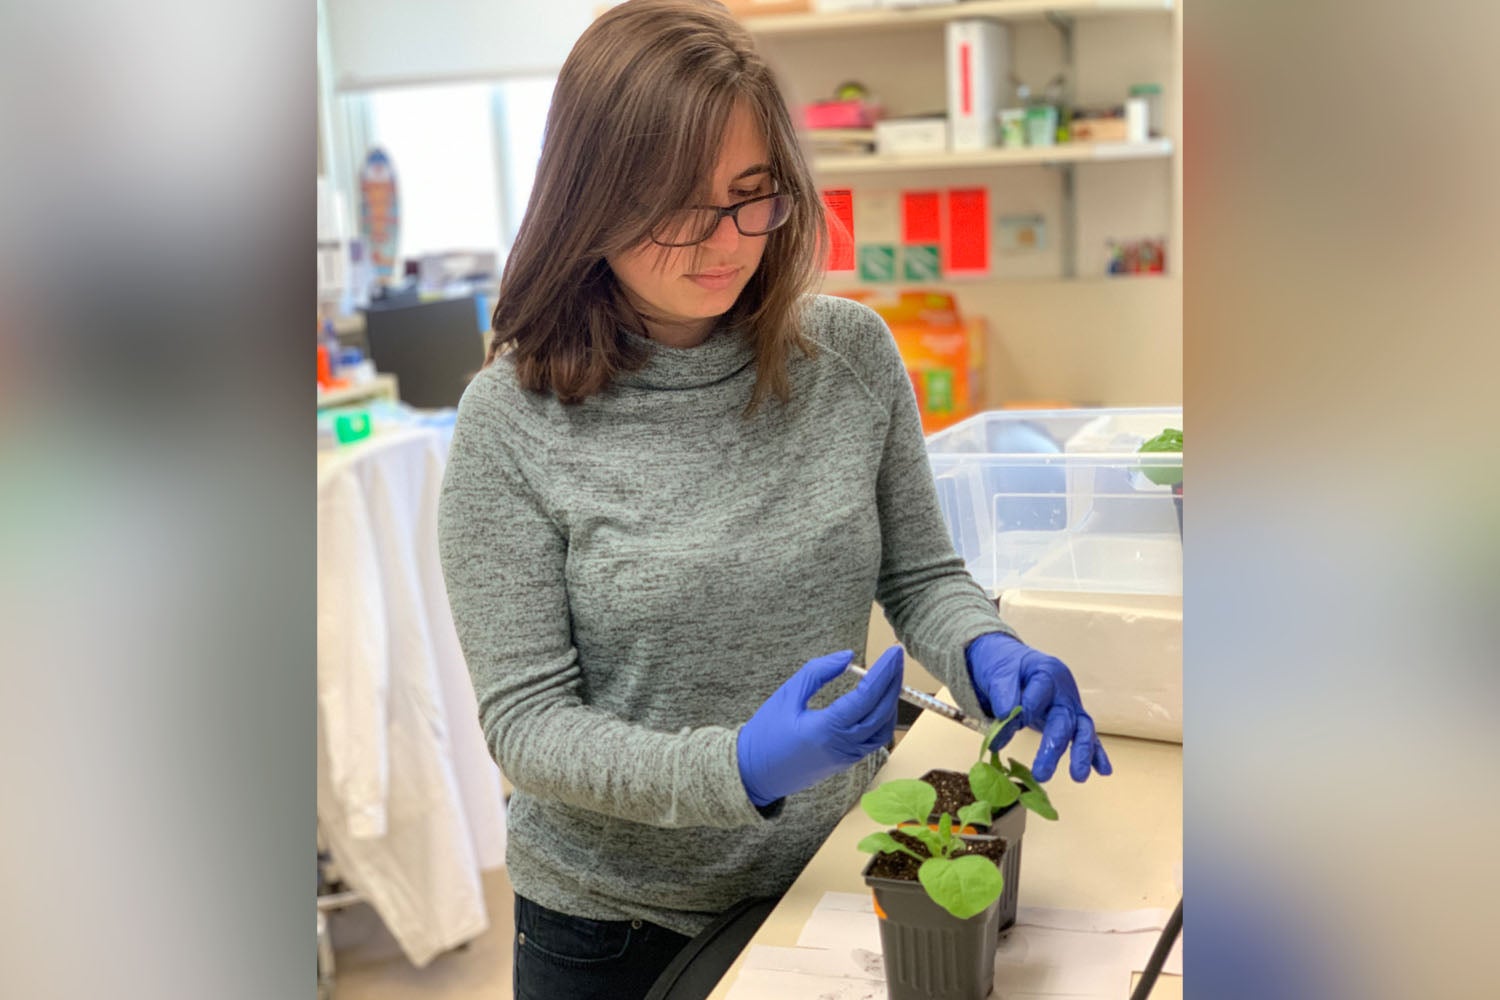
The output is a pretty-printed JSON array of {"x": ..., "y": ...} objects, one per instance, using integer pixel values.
[
  {"x": 945, "y": 826},
  {"x": 899, "y": 800},
  {"x": 978, "y": 813},
  {"x": 880, "y": 843},
  {"x": 965, "y": 886},
  {"x": 994, "y": 730},
  {"x": 992, "y": 785},
  {"x": 1023, "y": 774},
  {"x": 1038, "y": 803},
  {"x": 929, "y": 839},
  {"x": 1168, "y": 440}
]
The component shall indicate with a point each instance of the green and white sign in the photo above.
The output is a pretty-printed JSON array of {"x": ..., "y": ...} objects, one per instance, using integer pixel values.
[
  {"x": 921, "y": 262},
  {"x": 877, "y": 262}
]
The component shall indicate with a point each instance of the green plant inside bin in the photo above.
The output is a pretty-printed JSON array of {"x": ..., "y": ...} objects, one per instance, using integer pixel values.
[
  {"x": 965, "y": 885},
  {"x": 1169, "y": 440}
]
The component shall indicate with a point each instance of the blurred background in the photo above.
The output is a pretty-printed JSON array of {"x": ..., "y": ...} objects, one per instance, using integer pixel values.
[{"x": 1047, "y": 217}]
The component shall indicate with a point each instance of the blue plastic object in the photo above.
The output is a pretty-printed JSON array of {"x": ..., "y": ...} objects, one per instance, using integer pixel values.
[{"x": 1042, "y": 506}]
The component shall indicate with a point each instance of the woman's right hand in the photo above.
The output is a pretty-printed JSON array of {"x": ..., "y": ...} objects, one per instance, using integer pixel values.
[{"x": 786, "y": 746}]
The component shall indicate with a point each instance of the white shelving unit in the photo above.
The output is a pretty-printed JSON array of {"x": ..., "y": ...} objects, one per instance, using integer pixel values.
[
  {"x": 804, "y": 38},
  {"x": 1072, "y": 152},
  {"x": 895, "y": 18}
]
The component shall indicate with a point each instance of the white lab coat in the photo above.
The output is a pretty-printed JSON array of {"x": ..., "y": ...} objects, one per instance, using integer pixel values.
[{"x": 409, "y": 798}]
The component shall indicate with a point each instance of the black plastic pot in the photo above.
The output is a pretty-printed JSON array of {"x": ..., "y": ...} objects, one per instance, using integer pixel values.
[
  {"x": 929, "y": 953},
  {"x": 1010, "y": 826}
]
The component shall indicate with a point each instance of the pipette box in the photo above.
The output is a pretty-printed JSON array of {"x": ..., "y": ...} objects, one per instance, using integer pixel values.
[{"x": 1077, "y": 536}]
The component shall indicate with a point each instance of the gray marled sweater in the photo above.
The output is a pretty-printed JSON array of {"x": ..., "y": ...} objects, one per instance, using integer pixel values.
[{"x": 631, "y": 577}]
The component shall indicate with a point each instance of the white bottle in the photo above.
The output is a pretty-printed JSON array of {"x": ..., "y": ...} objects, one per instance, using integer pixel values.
[{"x": 1137, "y": 119}]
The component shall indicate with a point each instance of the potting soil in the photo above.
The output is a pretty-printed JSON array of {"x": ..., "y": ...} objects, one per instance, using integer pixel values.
[{"x": 903, "y": 866}]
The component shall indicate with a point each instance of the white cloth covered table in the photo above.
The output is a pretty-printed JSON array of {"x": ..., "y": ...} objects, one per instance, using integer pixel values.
[{"x": 409, "y": 798}]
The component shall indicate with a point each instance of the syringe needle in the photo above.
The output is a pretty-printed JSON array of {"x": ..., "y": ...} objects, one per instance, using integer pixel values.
[{"x": 923, "y": 700}]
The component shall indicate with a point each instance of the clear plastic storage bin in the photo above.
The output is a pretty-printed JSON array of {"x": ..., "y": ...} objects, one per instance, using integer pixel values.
[{"x": 1061, "y": 500}]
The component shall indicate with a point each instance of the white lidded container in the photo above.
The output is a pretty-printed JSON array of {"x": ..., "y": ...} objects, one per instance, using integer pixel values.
[
  {"x": 1055, "y": 515},
  {"x": 1060, "y": 498}
]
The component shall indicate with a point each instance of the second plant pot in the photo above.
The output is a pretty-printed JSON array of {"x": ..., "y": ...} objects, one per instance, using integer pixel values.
[{"x": 1010, "y": 826}]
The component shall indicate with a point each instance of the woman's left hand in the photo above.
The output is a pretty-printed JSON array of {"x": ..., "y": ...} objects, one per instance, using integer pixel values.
[{"x": 1006, "y": 672}]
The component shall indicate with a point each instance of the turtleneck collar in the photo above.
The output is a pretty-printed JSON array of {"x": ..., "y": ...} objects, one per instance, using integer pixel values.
[{"x": 726, "y": 352}]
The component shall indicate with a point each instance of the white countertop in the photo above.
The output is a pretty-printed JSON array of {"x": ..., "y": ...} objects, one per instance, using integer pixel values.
[{"x": 1116, "y": 846}]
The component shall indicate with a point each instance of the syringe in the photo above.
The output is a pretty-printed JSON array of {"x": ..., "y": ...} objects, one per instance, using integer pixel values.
[{"x": 922, "y": 699}]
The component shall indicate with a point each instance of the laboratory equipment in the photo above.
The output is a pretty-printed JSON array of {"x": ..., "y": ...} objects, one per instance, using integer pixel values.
[
  {"x": 433, "y": 348},
  {"x": 931, "y": 703}
]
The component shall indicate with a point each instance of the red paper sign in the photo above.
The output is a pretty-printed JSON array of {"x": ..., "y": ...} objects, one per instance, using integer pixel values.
[
  {"x": 921, "y": 219},
  {"x": 967, "y": 249},
  {"x": 840, "y": 206}
]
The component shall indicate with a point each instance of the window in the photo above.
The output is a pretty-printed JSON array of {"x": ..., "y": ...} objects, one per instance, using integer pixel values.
[
  {"x": 464, "y": 155},
  {"x": 441, "y": 142},
  {"x": 523, "y": 118}
]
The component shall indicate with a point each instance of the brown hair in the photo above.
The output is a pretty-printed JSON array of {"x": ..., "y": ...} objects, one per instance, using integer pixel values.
[{"x": 636, "y": 122}]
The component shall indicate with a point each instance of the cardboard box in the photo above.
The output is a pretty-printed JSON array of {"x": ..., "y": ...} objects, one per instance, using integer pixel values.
[
  {"x": 943, "y": 352},
  {"x": 1099, "y": 129}
]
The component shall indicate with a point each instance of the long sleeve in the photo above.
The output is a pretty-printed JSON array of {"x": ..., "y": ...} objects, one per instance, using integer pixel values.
[
  {"x": 934, "y": 605},
  {"x": 505, "y": 558}
]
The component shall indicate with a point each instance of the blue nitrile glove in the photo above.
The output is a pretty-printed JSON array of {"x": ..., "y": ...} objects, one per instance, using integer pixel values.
[
  {"x": 786, "y": 746},
  {"x": 1006, "y": 672}
]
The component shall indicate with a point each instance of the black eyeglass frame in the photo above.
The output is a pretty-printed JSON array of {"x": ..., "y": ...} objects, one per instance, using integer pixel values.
[{"x": 733, "y": 212}]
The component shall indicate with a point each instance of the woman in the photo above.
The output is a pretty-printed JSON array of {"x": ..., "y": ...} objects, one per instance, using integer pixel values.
[{"x": 674, "y": 490}]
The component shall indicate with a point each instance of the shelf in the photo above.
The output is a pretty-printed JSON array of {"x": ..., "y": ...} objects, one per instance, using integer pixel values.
[
  {"x": 1072, "y": 152},
  {"x": 886, "y": 18}
]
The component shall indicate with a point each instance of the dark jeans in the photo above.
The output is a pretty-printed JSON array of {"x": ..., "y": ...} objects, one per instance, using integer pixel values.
[{"x": 562, "y": 957}]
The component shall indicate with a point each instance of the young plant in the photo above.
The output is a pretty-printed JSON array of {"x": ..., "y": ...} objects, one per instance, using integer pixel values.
[
  {"x": 963, "y": 886},
  {"x": 967, "y": 885},
  {"x": 1169, "y": 440},
  {"x": 996, "y": 786}
]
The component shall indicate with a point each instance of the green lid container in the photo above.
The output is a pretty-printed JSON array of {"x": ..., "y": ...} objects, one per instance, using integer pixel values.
[{"x": 352, "y": 426}]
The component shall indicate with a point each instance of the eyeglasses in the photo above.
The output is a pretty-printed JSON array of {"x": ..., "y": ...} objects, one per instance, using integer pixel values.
[{"x": 754, "y": 217}]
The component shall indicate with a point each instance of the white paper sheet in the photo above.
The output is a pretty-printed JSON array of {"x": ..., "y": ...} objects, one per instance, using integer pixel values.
[
  {"x": 1098, "y": 921},
  {"x": 841, "y": 930},
  {"x": 861, "y": 963},
  {"x": 1050, "y": 954},
  {"x": 773, "y": 984}
]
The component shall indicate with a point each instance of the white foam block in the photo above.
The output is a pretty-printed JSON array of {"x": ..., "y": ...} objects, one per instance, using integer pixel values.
[{"x": 1124, "y": 650}]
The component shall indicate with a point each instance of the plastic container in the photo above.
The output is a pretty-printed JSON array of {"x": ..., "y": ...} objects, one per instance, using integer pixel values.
[
  {"x": 1056, "y": 500},
  {"x": 1150, "y": 93},
  {"x": 1013, "y": 128},
  {"x": 1041, "y": 125},
  {"x": 1137, "y": 120}
]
